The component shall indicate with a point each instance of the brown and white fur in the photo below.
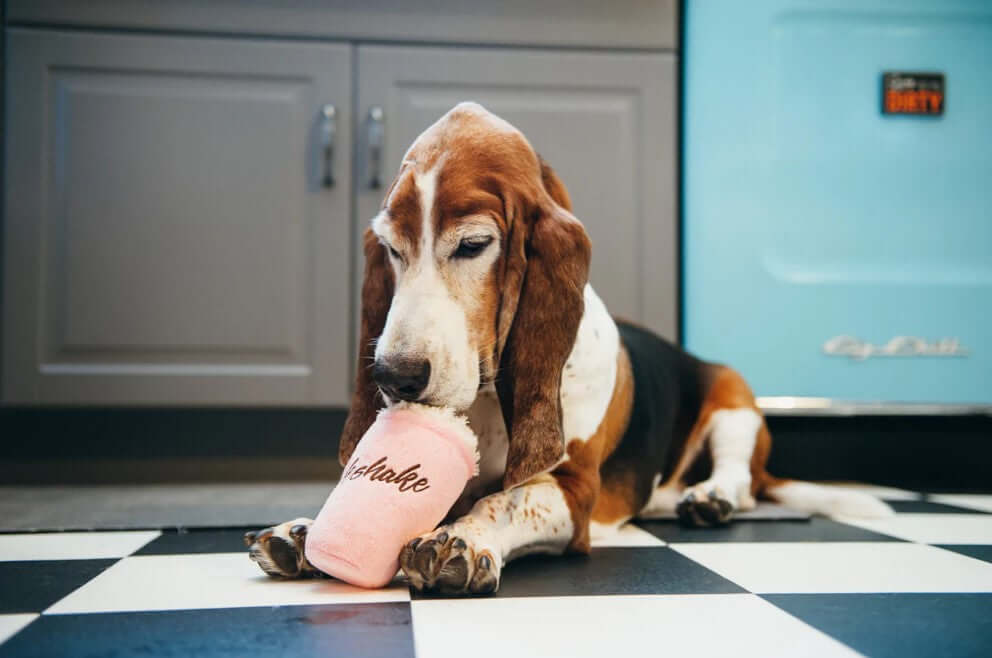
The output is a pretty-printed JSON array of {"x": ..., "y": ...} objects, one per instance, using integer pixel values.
[{"x": 476, "y": 297}]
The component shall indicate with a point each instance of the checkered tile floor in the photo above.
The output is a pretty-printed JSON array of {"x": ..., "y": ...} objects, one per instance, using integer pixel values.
[{"x": 918, "y": 584}]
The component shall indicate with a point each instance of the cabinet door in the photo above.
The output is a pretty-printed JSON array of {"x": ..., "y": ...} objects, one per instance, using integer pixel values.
[
  {"x": 605, "y": 122},
  {"x": 168, "y": 238}
]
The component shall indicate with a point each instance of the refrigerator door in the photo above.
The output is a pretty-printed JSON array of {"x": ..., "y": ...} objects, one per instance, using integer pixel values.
[{"x": 832, "y": 250}]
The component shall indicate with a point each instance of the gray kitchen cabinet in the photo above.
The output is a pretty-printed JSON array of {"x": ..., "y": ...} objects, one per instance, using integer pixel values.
[
  {"x": 606, "y": 122},
  {"x": 168, "y": 238}
]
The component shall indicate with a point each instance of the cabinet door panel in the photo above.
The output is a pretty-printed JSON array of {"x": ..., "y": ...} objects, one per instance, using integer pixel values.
[
  {"x": 605, "y": 122},
  {"x": 167, "y": 236}
]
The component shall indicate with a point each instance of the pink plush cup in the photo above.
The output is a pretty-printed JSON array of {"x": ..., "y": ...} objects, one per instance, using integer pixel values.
[{"x": 405, "y": 473}]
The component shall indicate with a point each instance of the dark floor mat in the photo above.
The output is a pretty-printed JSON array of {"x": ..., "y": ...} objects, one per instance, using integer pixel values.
[{"x": 157, "y": 506}]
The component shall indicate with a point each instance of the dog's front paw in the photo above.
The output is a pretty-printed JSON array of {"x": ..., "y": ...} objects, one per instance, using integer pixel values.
[
  {"x": 451, "y": 562},
  {"x": 279, "y": 550}
]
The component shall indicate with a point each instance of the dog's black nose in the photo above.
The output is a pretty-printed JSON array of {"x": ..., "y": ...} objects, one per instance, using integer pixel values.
[{"x": 402, "y": 380}]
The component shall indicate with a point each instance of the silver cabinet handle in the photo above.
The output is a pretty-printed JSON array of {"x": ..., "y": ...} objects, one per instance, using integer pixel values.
[
  {"x": 328, "y": 128},
  {"x": 375, "y": 124}
]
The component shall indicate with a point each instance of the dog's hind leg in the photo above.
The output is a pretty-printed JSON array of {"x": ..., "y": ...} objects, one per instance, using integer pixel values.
[
  {"x": 665, "y": 498},
  {"x": 731, "y": 440},
  {"x": 730, "y": 445}
]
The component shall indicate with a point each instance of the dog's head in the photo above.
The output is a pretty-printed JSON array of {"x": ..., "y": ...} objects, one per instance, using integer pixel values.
[{"x": 474, "y": 274}]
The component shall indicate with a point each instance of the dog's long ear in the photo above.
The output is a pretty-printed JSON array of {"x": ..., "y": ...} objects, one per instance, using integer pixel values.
[
  {"x": 554, "y": 187},
  {"x": 377, "y": 295},
  {"x": 546, "y": 269}
]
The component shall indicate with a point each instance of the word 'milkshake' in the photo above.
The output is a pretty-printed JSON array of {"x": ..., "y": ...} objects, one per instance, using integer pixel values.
[{"x": 379, "y": 471}]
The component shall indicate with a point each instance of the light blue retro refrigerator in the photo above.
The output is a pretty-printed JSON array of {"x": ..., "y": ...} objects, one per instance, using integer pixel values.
[{"x": 837, "y": 244}]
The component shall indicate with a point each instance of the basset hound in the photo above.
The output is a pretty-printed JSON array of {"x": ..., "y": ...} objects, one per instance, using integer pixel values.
[{"x": 475, "y": 296}]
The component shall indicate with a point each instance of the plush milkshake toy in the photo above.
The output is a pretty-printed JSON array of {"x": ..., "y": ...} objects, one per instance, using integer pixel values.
[{"x": 404, "y": 476}]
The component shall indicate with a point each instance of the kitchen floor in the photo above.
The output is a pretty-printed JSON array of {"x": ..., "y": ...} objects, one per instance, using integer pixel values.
[{"x": 917, "y": 584}]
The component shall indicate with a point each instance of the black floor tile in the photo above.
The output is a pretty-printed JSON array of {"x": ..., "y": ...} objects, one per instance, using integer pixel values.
[
  {"x": 196, "y": 541},
  {"x": 648, "y": 570},
  {"x": 32, "y": 586},
  {"x": 367, "y": 630},
  {"x": 979, "y": 552},
  {"x": 928, "y": 507},
  {"x": 816, "y": 529},
  {"x": 898, "y": 625}
]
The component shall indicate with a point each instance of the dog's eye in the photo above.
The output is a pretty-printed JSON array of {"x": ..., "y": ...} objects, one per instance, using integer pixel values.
[
  {"x": 395, "y": 254},
  {"x": 471, "y": 247}
]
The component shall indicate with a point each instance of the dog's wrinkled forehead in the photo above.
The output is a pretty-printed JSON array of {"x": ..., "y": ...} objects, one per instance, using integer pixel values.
[
  {"x": 458, "y": 167},
  {"x": 466, "y": 125}
]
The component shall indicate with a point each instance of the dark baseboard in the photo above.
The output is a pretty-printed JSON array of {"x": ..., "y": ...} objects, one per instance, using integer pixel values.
[
  {"x": 87, "y": 433},
  {"x": 113, "y": 445},
  {"x": 84, "y": 445},
  {"x": 163, "y": 470},
  {"x": 929, "y": 453}
]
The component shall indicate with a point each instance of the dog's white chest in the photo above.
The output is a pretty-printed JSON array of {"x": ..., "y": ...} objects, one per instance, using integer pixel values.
[
  {"x": 590, "y": 373},
  {"x": 586, "y": 389}
]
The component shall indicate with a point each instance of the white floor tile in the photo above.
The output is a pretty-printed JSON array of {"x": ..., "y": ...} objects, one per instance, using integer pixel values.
[
  {"x": 885, "y": 493},
  {"x": 971, "y": 501},
  {"x": 767, "y": 568},
  {"x": 738, "y": 625},
  {"x": 933, "y": 528},
  {"x": 211, "y": 580},
  {"x": 72, "y": 545},
  {"x": 628, "y": 536},
  {"x": 10, "y": 624}
]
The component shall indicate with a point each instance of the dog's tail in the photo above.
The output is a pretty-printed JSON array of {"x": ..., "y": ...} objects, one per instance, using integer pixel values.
[{"x": 823, "y": 499}]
